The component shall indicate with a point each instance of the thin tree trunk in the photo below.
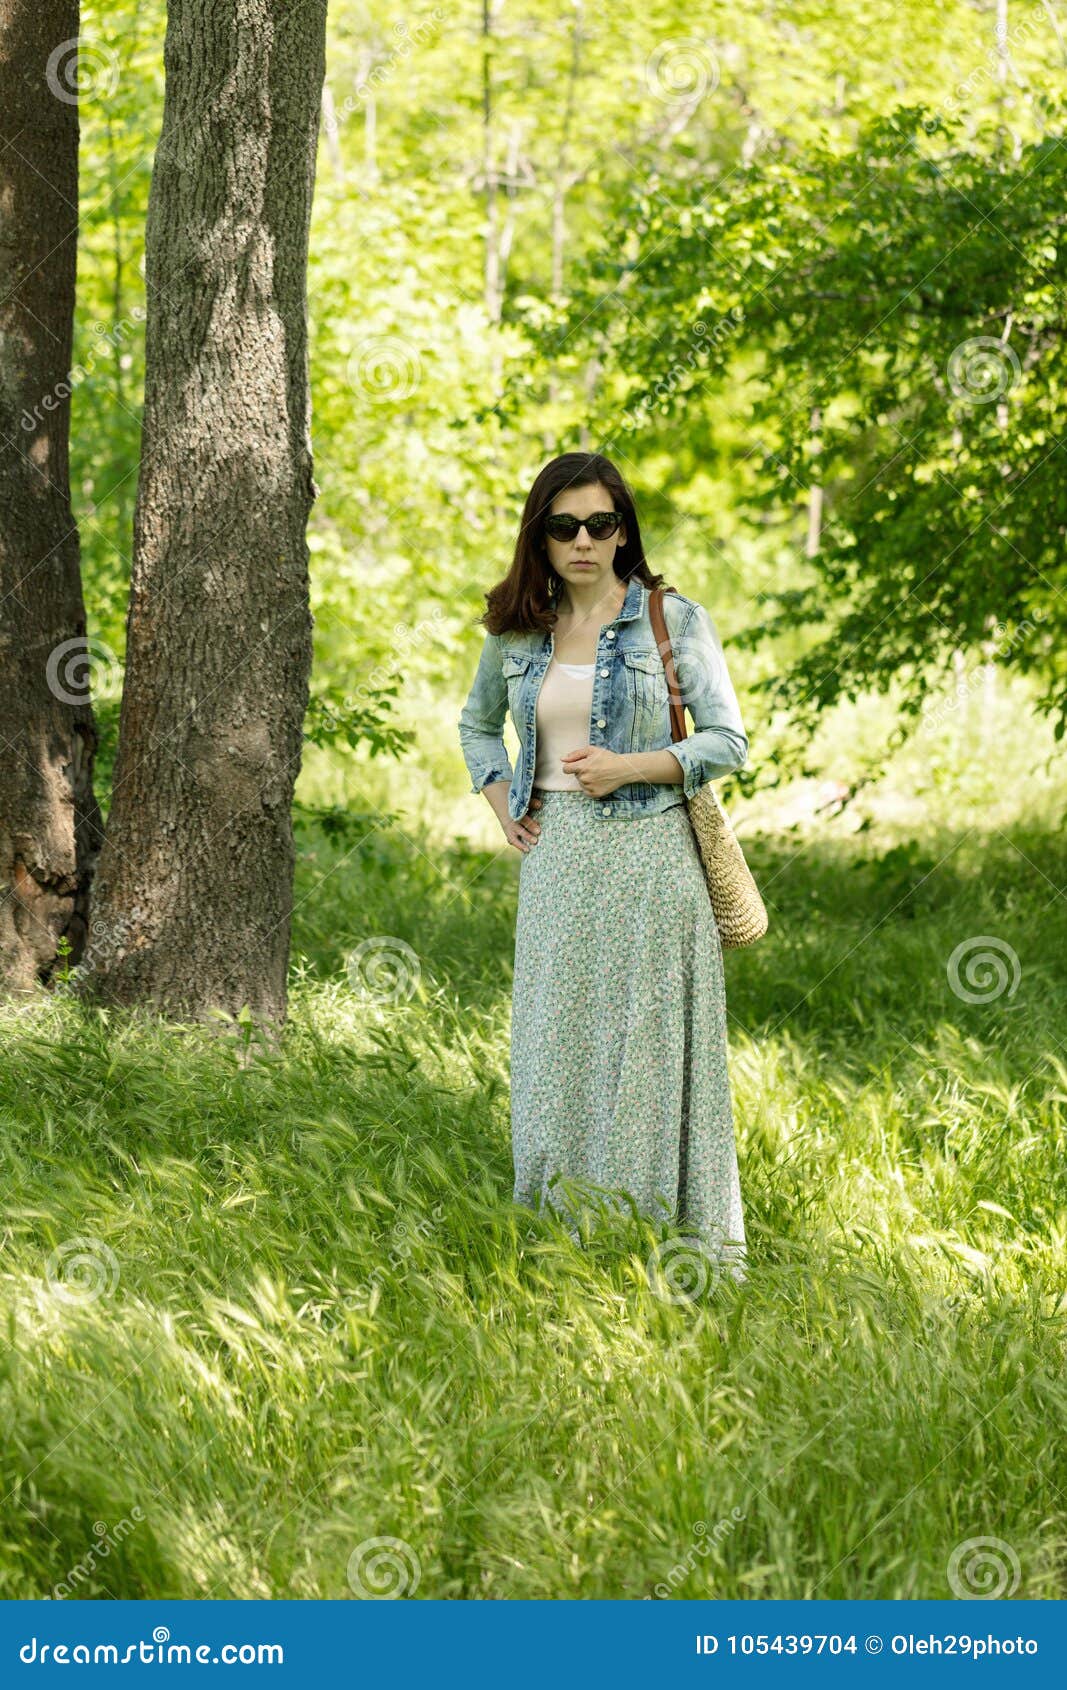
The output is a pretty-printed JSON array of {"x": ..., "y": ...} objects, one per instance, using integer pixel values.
[
  {"x": 197, "y": 868},
  {"x": 330, "y": 131},
  {"x": 49, "y": 821},
  {"x": 492, "y": 231},
  {"x": 561, "y": 182},
  {"x": 507, "y": 233},
  {"x": 815, "y": 492},
  {"x": 370, "y": 115}
]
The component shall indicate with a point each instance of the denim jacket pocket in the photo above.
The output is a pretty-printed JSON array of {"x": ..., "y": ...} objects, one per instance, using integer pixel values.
[
  {"x": 646, "y": 692},
  {"x": 513, "y": 667}
]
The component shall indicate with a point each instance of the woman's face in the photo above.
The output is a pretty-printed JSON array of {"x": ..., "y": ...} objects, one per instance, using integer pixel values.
[{"x": 584, "y": 560}]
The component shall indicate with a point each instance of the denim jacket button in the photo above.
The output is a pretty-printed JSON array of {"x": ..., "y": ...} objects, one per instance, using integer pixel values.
[
  {"x": 610, "y": 634},
  {"x": 605, "y": 671},
  {"x": 605, "y": 809},
  {"x": 601, "y": 722}
]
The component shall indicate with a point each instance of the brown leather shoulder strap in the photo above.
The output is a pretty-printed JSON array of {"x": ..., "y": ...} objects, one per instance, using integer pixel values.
[{"x": 663, "y": 641}]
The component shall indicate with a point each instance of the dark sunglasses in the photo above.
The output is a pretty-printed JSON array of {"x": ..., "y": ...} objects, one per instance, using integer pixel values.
[{"x": 598, "y": 526}]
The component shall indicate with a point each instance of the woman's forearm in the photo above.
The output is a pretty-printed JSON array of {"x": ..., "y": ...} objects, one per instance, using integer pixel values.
[
  {"x": 662, "y": 768},
  {"x": 496, "y": 791}
]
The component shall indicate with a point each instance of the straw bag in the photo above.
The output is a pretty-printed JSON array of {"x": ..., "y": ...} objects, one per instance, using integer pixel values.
[{"x": 738, "y": 908}]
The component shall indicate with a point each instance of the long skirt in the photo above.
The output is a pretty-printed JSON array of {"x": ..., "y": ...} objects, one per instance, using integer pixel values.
[{"x": 618, "y": 1030}]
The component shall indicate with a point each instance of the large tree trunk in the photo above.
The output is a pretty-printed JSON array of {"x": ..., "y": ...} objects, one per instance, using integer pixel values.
[
  {"x": 49, "y": 822},
  {"x": 195, "y": 879}
]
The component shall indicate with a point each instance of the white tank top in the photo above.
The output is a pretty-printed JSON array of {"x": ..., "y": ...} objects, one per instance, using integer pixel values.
[{"x": 564, "y": 705}]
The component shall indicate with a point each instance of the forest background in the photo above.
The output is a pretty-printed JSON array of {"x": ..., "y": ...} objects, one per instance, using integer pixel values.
[{"x": 799, "y": 270}]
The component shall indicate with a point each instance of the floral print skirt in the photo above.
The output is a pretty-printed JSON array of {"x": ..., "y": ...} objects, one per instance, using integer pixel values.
[{"x": 618, "y": 1029}]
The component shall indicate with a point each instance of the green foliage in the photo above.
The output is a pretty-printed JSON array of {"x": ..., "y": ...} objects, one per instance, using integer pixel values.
[
  {"x": 937, "y": 440},
  {"x": 334, "y": 719},
  {"x": 764, "y": 220}
]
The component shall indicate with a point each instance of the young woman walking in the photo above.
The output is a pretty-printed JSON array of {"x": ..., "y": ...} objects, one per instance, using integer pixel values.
[{"x": 618, "y": 1031}]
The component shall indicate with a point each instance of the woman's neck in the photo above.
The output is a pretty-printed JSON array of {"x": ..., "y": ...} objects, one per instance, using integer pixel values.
[{"x": 583, "y": 607}]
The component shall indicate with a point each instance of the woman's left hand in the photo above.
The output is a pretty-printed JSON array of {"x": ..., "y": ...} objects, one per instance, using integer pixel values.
[{"x": 598, "y": 770}]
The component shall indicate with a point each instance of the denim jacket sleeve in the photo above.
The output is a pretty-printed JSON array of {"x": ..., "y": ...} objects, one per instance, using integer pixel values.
[
  {"x": 481, "y": 721},
  {"x": 717, "y": 743}
]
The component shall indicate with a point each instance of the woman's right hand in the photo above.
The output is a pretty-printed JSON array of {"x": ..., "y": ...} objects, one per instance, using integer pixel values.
[{"x": 523, "y": 834}]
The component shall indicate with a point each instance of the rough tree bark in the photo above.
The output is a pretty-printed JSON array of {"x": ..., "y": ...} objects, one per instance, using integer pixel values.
[
  {"x": 49, "y": 821},
  {"x": 195, "y": 878}
]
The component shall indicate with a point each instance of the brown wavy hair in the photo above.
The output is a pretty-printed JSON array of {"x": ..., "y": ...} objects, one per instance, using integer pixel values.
[{"x": 520, "y": 602}]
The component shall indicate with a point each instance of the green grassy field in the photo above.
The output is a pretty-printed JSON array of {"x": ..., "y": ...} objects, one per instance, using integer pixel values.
[{"x": 274, "y": 1328}]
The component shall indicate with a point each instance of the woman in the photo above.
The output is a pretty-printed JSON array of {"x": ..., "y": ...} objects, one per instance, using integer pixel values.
[{"x": 618, "y": 1032}]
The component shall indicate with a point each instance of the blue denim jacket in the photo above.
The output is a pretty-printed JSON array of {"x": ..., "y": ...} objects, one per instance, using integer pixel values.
[{"x": 630, "y": 711}]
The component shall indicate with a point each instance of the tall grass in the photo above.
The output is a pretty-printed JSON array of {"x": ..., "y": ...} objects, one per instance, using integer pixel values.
[{"x": 273, "y": 1326}]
